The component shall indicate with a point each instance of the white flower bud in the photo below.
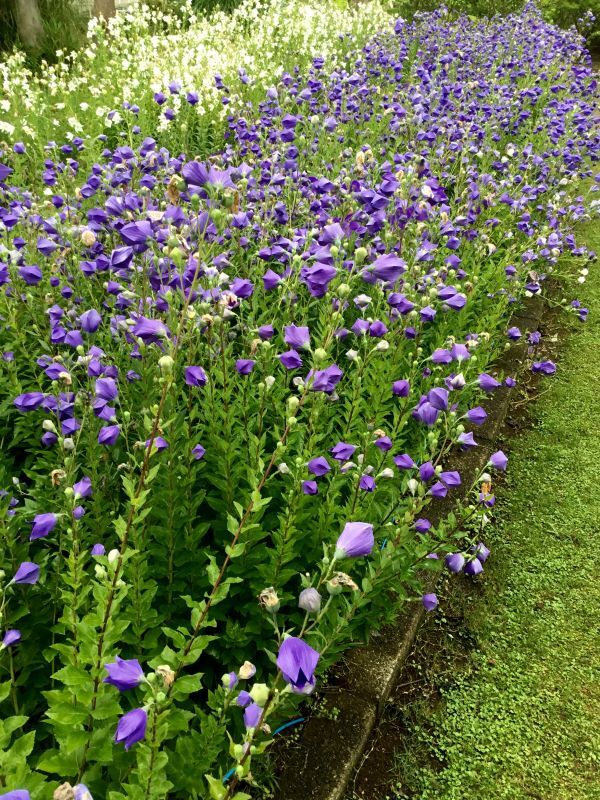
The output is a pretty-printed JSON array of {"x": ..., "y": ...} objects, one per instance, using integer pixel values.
[{"x": 113, "y": 556}]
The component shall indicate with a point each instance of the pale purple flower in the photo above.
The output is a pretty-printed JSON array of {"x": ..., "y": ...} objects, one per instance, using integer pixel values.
[
  {"x": 297, "y": 661},
  {"x": 356, "y": 540},
  {"x": 499, "y": 460},
  {"x": 319, "y": 466},
  {"x": 11, "y": 636},
  {"x": 296, "y": 337},
  {"x": 43, "y": 524},
  {"x": 430, "y": 601}
]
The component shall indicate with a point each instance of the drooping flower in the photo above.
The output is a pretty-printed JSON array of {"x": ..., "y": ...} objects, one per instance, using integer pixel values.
[
  {"x": 545, "y": 367},
  {"x": 43, "y": 524},
  {"x": 131, "y": 728},
  {"x": 198, "y": 452},
  {"x": 26, "y": 573},
  {"x": 401, "y": 388},
  {"x": 124, "y": 673},
  {"x": 488, "y": 383},
  {"x": 291, "y": 359},
  {"x": 476, "y": 415},
  {"x": 310, "y": 487},
  {"x": 297, "y": 661},
  {"x": 473, "y": 567},
  {"x": 356, "y": 540}
]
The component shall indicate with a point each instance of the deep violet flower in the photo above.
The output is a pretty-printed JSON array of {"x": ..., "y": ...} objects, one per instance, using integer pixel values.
[
  {"x": 195, "y": 376},
  {"x": 198, "y": 452},
  {"x": 356, "y": 540},
  {"x": 83, "y": 488},
  {"x": 545, "y": 367},
  {"x": 98, "y": 550},
  {"x": 297, "y": 661},
  {"x": 401, "y": 388},
  {"x": 487, "y": 383},
  {"x": 476, "y": 415},
  {"x": 319, "y": 466},
  {"x": 473, "y": 567},
  {"x": 131, "y": 728},
  {"x": 43, "y": 524},
  {"x": 325, "y": 380},
  {"x": 291, "y": 359},
  {"x": 244, "y": 366},
  {"x": 124, "y": 673},
  {"x": 109, "y": 434},
  {"x": 29, "y": 401},
  {"x": 310, "y": 487}
]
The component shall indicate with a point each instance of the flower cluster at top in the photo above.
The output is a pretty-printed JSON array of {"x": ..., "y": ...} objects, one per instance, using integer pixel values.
[
  {"x": 155, "y": 70},
  {"x": 232, "y": 387}
]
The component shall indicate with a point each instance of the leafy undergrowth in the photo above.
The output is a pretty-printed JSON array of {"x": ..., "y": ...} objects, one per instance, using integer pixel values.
[{"x": 510, "y": 707}]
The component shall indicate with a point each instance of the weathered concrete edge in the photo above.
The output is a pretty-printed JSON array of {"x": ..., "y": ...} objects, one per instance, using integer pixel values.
[{"x": 333, "y": 741}]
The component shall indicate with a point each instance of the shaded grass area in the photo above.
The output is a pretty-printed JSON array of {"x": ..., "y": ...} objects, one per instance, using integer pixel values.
[
  {"x": 501, "y": 696},
  {"x": 522, "y": 718}
]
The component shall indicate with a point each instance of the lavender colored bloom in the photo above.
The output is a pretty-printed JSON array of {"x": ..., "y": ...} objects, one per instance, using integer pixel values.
[
  {"x": 81, "y": 792},
  {"x": 198, "y": 452},
  {"x": 450, "y": 478},
  {"x": 366, "y": 483},
  {"x": 342, "y": 451},
  {"x": 319, "y": 466},
  {"x": 243, "y": 699},
  {"x": 545, "y": 367},
  {"x": 242, "y": 288},
  {"x": 455, "y": 562},
  {"x": 252, "y": 715},
  {"x": 195, "y": 376},
  {"x": 124, "y": 673},
  {"x": 441, "y": 356},
  {"x": 325, "y": 380},
  {"x": 310, "y": 600},
  {"x": 131, "y": 728},
  {"x": 244, "y": 366},
  {"x": 291, "y": 359},
  {"x": 384, "y": 443},
  {"x": 83, "y": 488},
  {"x": 106, "y": 389},
  {"x": 487, "y": 383},
  {"x": 159, "y": 443},
  {"x": 514, "y": 333},
  {"x": 31, "y": 275},
  {"x": 297, "y": 661},
  {"x": 109, "y": 434},
  {"x": 388, "y": 268},
  {"x": 438, "y": 489},
  {"x": 356, "y": 540},
  {"x": 78, "y": 512},
  {"x": 482, "y": 552},
  {"x": 401, "y": 388},
  {"x": 266, "y": 332},
  {"x": 43, "y": 524},
  {"x": 26, "y": 573},
  {"x": 476, "y": 415},
  {"x": 438, "y": 398},
  {"x": 296, "y": 337},
  {"x": 430, "y": 602},
  {"x": 98, "y": 550},
  {"x": 310, "y": 487},
  {"x": 11, "y": 636},
  {"x": 422, "y": 525},
  {"x": 15, "y": 794},
  {"x": 466, "y": 440},
  {"x": 499, "y": 460}
]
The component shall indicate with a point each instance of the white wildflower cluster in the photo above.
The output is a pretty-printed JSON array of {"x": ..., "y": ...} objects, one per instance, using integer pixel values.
[{"x": 142, "y": 50}]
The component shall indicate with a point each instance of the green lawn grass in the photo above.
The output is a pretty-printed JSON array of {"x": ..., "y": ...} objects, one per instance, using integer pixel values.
[{"x": 522, "y": 720}]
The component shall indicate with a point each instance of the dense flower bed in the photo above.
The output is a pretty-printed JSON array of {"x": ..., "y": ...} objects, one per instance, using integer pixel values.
[{"x": 229, "y": 390}]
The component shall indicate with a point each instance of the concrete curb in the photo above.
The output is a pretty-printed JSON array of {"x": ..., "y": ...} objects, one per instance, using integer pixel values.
[{"x": 334, "y": 738}]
